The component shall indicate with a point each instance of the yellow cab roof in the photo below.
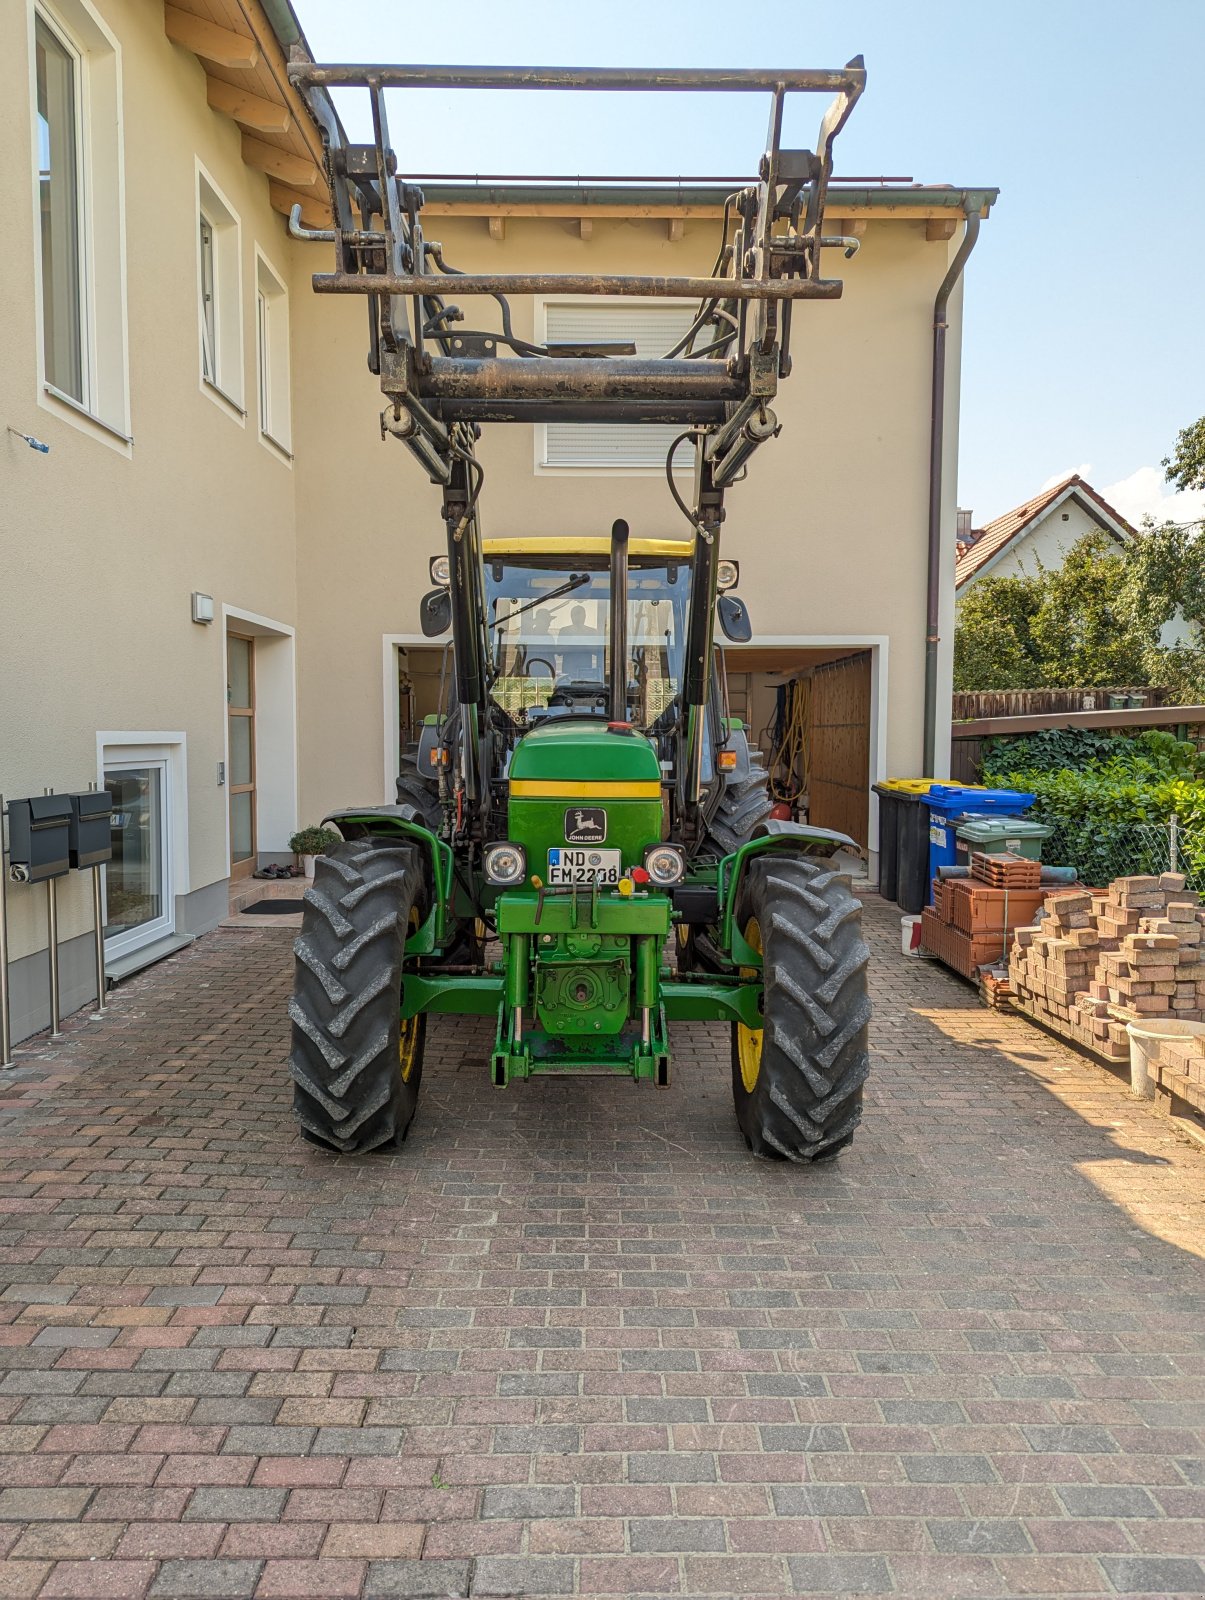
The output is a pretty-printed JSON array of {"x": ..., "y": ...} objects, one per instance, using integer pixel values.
[{"x": 585, "y": 545}]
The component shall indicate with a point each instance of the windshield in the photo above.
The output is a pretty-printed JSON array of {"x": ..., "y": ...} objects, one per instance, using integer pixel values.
[{"x": 549, "y": 631}]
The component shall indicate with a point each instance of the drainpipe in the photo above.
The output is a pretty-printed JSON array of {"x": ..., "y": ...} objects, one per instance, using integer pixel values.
[{"x": 936, "y": 448}]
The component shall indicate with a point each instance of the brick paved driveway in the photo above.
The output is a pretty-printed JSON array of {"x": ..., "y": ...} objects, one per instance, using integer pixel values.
[{"x": 574, "y": 1338}]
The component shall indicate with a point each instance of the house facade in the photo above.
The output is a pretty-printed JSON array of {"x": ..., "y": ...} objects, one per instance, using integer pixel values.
[
  {"x": 211, "y": 577},
  {"x": 1036, "y": 534}
]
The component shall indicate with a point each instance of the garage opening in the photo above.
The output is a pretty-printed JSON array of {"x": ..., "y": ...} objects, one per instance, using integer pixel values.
[
  {"x": 809, "y": 713},
  {"x": 807, "y": 710}
]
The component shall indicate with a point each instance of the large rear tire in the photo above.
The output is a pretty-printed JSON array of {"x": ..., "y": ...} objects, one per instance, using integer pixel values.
[
  {"x": 797, "y": 1082},
  {"x": 414, "y": 790},
  {"x": 355, "y": 1065},
  {"x": 744, "y": 804}
]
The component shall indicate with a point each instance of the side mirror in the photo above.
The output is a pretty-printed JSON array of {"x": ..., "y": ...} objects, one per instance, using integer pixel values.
[
  {"x": 435, "y": 613},
  {"x": 734, "y": 619}
]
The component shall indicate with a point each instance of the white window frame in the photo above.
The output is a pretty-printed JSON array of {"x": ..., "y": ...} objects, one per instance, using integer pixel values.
[
  {"x": 104, "y": 411},
  {"x": 166, "y": 752},
  {"x": 272, "y": 359},
  {"x": 225, "y": 386},
  {"x": 683, "y": 460}
]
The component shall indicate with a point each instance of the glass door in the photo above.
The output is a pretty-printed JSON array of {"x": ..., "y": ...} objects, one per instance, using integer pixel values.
[
  {"x": 240, "y": 720},
  {"x": 139, "y": 905}
]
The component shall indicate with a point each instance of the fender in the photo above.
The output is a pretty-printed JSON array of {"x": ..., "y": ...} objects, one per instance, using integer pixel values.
[
  {"x": 770, "y": 837},
  {"x": 384, "y": 822}
]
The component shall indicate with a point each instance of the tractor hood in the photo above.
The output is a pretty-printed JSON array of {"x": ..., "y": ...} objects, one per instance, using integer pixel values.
[{"x": 568, "y": 756}]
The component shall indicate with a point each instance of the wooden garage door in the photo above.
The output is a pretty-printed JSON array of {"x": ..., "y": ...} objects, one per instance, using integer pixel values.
[{"x": 840, "y": 746}]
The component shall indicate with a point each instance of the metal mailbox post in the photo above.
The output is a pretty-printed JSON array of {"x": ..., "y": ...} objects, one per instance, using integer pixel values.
[{"x": 91, "y": 845}]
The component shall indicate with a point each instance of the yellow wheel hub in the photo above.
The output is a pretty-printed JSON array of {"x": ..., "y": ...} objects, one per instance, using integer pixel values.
[
  {"x": 749, "y": 1040},
  {"x": 408, "y": 1033},
  {"x": 407, "y": 1046}
]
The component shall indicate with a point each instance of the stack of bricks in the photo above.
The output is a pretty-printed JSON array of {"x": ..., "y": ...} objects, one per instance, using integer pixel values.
[
  {"x": 1096, "y": 962},
  {"x": 969, "y": 925}
]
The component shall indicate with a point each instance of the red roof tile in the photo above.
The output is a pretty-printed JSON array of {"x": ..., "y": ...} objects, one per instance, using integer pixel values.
[{"x": 992, "y": 538}]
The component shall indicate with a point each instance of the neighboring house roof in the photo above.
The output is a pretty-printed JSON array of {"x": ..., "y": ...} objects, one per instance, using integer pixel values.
[{"x": 991, "y": 541}]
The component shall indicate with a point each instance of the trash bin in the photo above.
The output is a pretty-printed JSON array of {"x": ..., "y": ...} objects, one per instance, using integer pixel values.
[
  {"x": 992, "y": 835},
  {"x": 889, "y": 793},
  {"x": 912, "y": 851},
  {"x": 950, "y": 804}
]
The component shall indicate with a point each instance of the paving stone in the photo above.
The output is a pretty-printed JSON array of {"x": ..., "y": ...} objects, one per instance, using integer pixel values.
[
  {"x": 1156, "y": 1575},
  {"x": 520, "y": 1575},
  {"x": 840, "y": 1574},
  {"x": 980, "y": 1536},
  {"x": 523, "y": 1503},
  {"x": 198, "y": 1578},
  {"x": 674, "y": 1535},
  {"x": 222, "y": 1503},
  {"x": 417, "y": 1580},
  {"x": 567, "y": 1356}
]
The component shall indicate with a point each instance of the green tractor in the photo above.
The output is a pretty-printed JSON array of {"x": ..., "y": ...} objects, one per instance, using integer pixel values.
[{"x": 582, "y": 847}]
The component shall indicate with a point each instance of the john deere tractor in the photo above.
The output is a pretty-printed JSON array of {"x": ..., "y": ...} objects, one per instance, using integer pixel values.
[{"x": 582, "y": 847}]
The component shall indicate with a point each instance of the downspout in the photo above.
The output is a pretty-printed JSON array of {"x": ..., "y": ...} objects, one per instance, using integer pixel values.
[{"x": 936, "y": 452}]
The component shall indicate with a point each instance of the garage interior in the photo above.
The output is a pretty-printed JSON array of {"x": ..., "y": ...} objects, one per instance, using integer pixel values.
[{"x": 808, "y": 711}]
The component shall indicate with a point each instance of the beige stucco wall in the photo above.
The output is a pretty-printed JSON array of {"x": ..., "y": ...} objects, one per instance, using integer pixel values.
[
  {"x": 830, "y": 527},
  {"x": 102, "y": 548}
]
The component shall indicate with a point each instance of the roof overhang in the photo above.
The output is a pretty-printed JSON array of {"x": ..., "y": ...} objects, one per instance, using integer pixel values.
[
  {"x": 653, "y": 200},
  {"x": 243, "y": 47}
]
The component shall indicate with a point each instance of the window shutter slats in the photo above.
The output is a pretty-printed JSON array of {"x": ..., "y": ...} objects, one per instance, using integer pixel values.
[{"x": 654, "y": 330}]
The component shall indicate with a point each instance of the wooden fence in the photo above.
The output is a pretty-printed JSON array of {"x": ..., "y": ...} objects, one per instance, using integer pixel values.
[
  {"x": 969, "y": 704},
  {"x": 967, "y": 737}
]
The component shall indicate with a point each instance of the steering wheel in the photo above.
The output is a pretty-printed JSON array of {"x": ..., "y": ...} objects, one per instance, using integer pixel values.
[{"x": 544, "y": 663}]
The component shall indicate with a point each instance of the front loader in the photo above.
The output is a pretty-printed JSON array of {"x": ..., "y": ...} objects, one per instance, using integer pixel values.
[{"x": 582, "y": 847}]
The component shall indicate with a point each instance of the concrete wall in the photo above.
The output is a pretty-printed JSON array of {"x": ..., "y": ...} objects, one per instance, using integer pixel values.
[
  {"x": 830, "y": 527},
  {"x": 102, "y": 543}
]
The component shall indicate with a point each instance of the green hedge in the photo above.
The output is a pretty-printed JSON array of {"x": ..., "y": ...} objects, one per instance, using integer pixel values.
[{"x": 1098, "y": 790}]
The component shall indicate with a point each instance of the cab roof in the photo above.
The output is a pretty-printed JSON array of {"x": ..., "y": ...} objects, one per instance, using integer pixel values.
[{"x": 586, "y": 545}]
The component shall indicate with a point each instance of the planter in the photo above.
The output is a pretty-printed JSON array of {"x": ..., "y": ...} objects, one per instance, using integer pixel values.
[{"x": 307, "y": 865}]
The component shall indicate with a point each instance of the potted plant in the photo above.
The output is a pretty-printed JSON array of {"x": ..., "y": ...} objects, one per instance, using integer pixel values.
[{"x": 311, "y": 842}]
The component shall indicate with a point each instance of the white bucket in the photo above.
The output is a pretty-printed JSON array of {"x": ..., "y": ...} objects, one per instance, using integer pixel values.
[
  {"x": 910, "y": 929},
  {"x": 1145, "y": 1038}
]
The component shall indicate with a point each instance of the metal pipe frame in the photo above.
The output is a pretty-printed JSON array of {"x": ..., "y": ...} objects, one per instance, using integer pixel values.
[
  {"x": 646, "y": 288},
  {"x": 848, "y": 80}
]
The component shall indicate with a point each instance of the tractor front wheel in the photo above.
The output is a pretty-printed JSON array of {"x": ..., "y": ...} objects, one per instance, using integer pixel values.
[
  {"x": 797, "y": 1081},
  {"x": 355, "y": 1064}
]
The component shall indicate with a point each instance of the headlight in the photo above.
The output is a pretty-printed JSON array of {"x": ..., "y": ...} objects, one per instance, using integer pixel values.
[
  {"x": 728, "y": 575},
  {"x": 505, "y": 864},
  {"x": 665, "y": 864},
  {"x": 441, "y": 572}
]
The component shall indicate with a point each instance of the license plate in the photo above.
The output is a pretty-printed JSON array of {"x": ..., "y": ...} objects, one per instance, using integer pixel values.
[{"x": 583, "y": 866}]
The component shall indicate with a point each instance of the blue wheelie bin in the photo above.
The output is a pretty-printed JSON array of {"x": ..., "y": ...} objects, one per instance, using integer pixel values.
[{"x": 952, "y": 803}]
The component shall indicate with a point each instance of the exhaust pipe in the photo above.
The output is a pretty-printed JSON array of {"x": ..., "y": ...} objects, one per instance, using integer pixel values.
[{"x": 618, "y": 696}]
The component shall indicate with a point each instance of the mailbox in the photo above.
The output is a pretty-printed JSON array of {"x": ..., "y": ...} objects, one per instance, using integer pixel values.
[
  {"x": 39, "y": 837},
  {"x": 90, "y": 839}
]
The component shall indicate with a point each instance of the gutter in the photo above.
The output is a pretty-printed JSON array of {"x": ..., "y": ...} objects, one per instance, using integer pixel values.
[{"x": 936, "y": 464}]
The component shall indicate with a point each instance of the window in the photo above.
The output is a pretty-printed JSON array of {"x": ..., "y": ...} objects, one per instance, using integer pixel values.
[
  {"x": 638, "y": 446},
  {"x": 209, "y": 355},
  {"x": 219, "y": 301},
  {"x": 59, "y": 208},
  {"x": 80, "y": 236},
  {"x": 272, "y": 345}
]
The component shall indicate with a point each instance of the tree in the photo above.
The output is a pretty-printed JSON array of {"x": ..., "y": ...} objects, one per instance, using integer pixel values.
[
  {"x": 1094, "y": 621},
  {"x": 1185, "y": 467},
  {"x": 993, "y": 643}
]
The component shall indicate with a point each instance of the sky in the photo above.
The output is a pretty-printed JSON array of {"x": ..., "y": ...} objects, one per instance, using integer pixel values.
[{"x": 1084, "y": 334}]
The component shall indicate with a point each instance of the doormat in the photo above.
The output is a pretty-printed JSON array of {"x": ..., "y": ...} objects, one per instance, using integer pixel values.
[{"x": 273, "y": 908}]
